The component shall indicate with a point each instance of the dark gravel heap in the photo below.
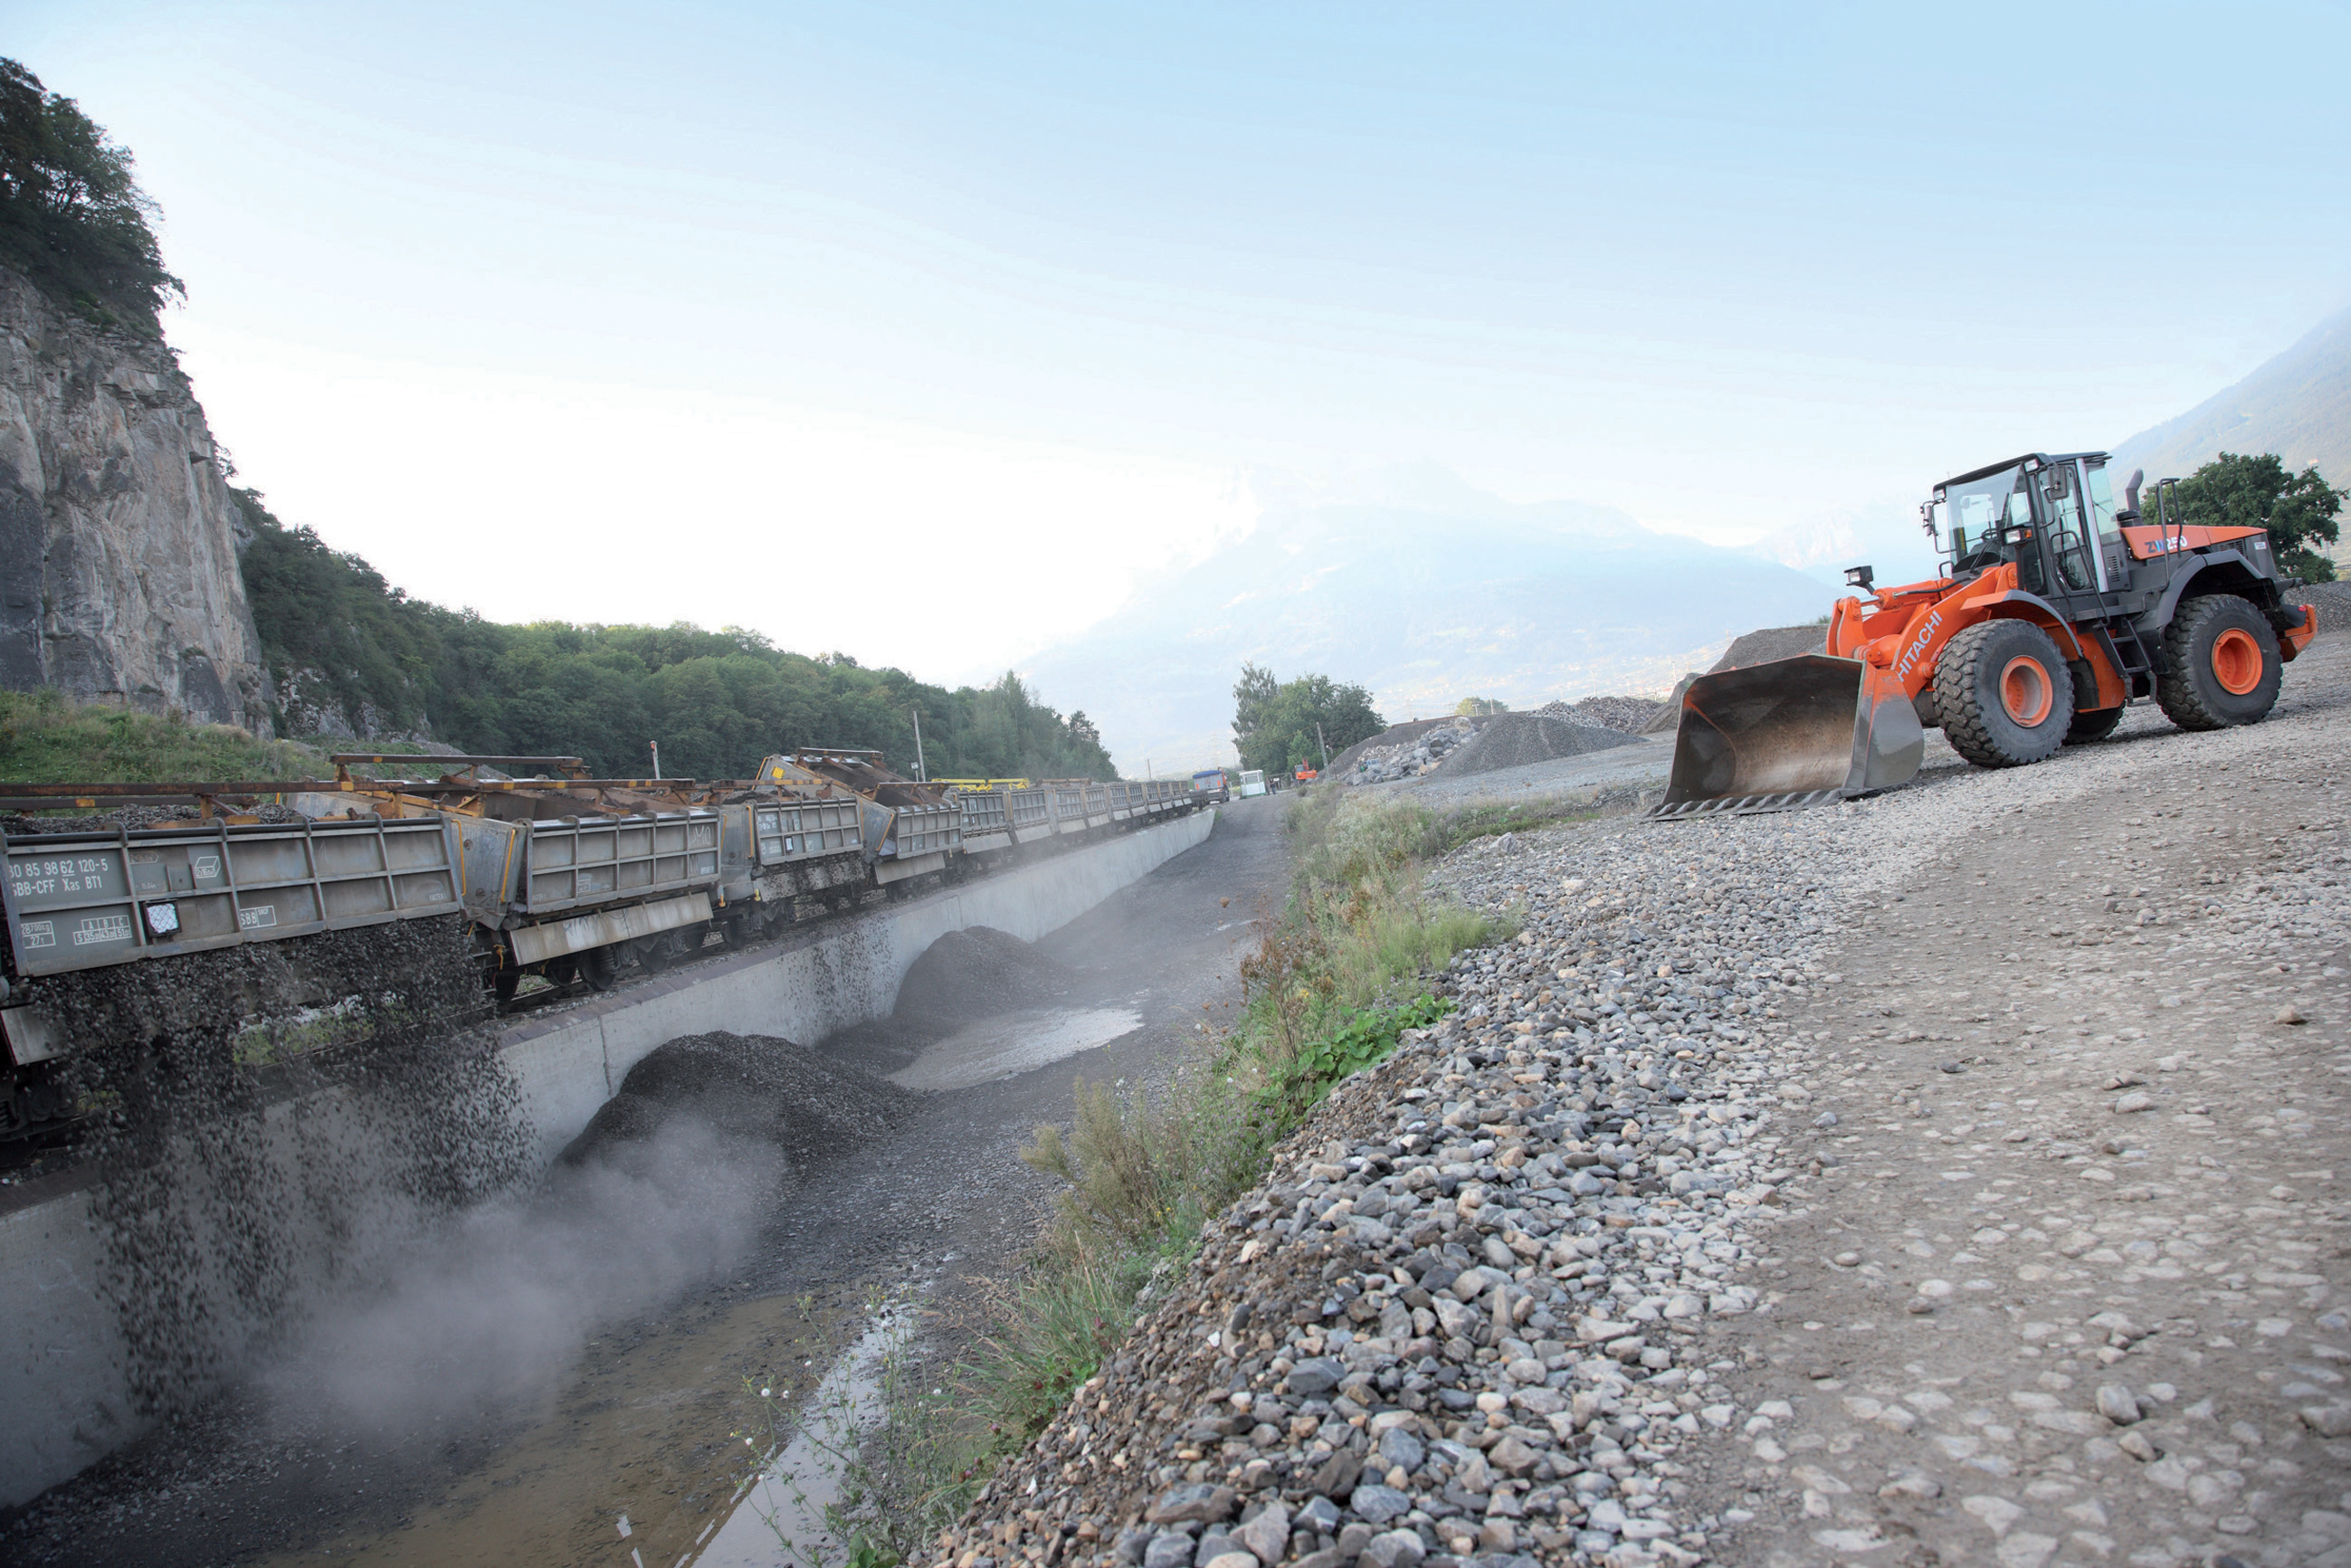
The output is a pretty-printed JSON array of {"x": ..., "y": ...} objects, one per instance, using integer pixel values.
[
  {"x": 1515, "y": 739},
  {"x": 966, "y": 975},
  {"x": 756, "y": 1087}
]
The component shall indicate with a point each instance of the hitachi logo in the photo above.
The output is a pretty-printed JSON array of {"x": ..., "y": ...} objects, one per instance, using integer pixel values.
[{"x": 1918, "y": 645}]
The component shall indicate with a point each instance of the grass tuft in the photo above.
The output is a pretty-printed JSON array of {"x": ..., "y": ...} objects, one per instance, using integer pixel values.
[{"x": 47, "y": 738}]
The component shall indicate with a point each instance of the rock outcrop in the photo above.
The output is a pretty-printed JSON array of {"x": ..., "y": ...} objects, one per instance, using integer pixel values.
[{"x": 119, "y": 577}]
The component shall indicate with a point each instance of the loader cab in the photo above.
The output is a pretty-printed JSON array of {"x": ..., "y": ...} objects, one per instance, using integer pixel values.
[{"x": 2053, "y": 516}]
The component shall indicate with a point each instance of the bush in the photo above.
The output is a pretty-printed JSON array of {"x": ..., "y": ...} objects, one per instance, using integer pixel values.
[{"x": 47, "y": 738}]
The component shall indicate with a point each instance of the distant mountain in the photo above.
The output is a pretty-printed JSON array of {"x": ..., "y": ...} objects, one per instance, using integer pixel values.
[
  {"x": 2297, "y": 405},
  {"x": 1427, "y": 592}
]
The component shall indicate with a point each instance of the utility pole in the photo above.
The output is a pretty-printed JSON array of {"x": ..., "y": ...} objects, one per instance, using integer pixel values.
[
  {"x": 656, "y": 746},
  {"x": 920, "y": 772},
  {"x": 1324, "y": 744}
]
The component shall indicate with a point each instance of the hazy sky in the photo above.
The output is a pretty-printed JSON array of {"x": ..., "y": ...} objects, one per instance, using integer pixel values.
[{"x": 916, "y": 330}]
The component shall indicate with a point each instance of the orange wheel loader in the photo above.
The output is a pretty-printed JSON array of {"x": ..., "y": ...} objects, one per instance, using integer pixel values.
[{"x": 2054, "y": 610}]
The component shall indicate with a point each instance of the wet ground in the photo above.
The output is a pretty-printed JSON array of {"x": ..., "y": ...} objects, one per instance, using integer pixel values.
[{"x": 647, "y": 1424}]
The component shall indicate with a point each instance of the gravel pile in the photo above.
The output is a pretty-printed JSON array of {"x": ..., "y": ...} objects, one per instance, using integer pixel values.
[
  {"x": 1668, "y": 716},
  {"x": 1773, "y": 643},
  {"x": 966, "y": 975},
  {"x": 1409, "y": 758},
  {"x": 1515, "y": 739},
  {"x": 1629, "y": 715},
  {"x": 978, "y": 972},
  {"x": 1343, "y": 765},
  {"x": 1467, "y": 1318},
  {"x": 2333, "y": 602},
  {"x": 780, "y": 1095}
]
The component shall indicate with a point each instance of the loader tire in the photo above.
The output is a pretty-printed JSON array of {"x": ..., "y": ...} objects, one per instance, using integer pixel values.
[
  {"x": 2004, "y": 696},
  {"x": 2095, "y": 725},
  {"x": 2221, "y": 664}
]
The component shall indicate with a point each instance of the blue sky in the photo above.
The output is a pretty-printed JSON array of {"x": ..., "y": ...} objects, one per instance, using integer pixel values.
[{"x": 974, "y": 313}]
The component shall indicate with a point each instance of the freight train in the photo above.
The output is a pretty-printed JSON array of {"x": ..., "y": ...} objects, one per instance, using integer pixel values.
[{"x": 559, "y": 881}]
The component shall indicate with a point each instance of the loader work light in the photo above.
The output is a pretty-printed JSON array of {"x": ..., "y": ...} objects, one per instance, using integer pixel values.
[
  {"x": 2016, "y": 536},
  {"x": 1860, "y": 577}
]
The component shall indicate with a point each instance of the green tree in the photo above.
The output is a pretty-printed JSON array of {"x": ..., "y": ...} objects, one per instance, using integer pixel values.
[
  {"x": 1282, "y": 732},
  {"x": 72, "y": 218},
  {"x": 716, "y": 701},
  {"x": 1478, "y": 707},
  {"x": 1252, "y": 694},
  {"x": 2238, "y": 491}
]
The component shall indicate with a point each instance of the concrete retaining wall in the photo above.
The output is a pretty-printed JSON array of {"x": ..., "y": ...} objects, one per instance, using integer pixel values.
[{"x": 64, "y": 1400}]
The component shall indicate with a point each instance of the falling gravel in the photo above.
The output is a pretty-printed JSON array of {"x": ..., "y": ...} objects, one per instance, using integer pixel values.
[{"x": 264, "y": 1111}]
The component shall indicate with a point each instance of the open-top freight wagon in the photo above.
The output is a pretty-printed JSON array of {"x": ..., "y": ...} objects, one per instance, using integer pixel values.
[{"x": 557, "y": 878}]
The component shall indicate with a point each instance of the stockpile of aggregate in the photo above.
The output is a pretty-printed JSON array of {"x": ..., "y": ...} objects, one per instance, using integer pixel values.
[
  {"x": 1395, "y": 735},
  {"x": 966, "y": 975},
  {"x": 1410, "y": 758},
  {"x": 783, "y": 1097},
  {"x": 1771, "y": 643},
  {"x": 1479, "y": 1309},
  {"x": 978, "y": 972},
  {"x": 2333, "y": 602},
  {"x": 1628, "y": 714},
  {"x": 1515, "y": 739}
]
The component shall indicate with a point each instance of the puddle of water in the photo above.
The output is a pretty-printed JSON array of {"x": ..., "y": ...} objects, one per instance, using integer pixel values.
[
  {"x": 1014, "y": 1043},
  {"x": 780, "y": 1518}
]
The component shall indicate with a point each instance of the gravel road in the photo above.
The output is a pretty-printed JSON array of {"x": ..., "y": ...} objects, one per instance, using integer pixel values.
[{"x": 1955, "y": 1176}]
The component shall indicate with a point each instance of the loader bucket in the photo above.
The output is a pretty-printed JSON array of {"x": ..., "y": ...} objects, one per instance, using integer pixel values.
[{"x": 1792, "y": 733}]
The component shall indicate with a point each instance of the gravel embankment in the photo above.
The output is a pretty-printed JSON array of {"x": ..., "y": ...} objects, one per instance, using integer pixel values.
[
  {"x": 1465, "y": 1318},
  {"x": 1516, "y": 1294}
]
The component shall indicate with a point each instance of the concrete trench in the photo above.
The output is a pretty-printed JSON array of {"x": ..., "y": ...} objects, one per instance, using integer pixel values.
[{"x": 65, "y": 1381}]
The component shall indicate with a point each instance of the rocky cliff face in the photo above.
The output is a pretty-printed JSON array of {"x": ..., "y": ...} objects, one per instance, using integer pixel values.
[{"x": 118, "y": 552}]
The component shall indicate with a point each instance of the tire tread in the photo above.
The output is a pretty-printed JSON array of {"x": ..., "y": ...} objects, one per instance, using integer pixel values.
[
  {"x": 2177, "y": 690},
  {"x": 1957, "y": 673}
]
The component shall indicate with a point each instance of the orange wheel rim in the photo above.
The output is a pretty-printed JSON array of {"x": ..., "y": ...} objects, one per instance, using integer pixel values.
[
  {"x": 2025, "y": 690},
  {"x": 2236, "y": 661}
]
